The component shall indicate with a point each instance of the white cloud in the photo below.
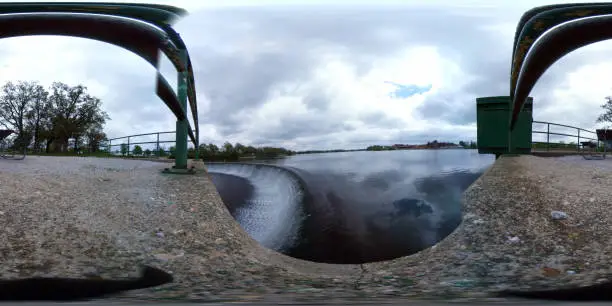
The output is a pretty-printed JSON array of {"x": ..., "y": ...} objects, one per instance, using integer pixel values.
[{"x": 347, "y": 76}]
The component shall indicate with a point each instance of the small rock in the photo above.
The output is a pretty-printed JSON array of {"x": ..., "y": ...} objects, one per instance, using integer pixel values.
[
  {"x": 1, "y": 213},
  {"x": 591, "y": 200},
  {"x": 565, "y": 203},
  {"x": 160, "y": 234},
  {"x": 514, "y": 239},
  {"x": 478, "y": 221},
  {"x": 558, "y": 215}
]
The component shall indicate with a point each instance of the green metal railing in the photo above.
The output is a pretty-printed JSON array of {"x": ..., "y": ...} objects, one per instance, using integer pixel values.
[
  {"x": 144, "y": 29},
  {"x": 581, "y": 135},
  {"x": 109, "y": 145}
]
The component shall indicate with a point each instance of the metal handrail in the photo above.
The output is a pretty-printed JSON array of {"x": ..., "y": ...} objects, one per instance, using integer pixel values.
[
  {"x": 577, "y": 135},
  {"x": 110, "y": 144}
]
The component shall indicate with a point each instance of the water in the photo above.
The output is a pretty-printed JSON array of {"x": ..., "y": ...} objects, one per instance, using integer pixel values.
[{"x": 351, "y": 207}]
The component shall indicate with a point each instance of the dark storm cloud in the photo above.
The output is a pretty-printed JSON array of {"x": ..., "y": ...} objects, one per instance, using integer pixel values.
[
  {"x": 295, "y": 127},
  {"x": 240, "y": 55},
  {"x": 381, "y": 120},
  {"x": 234, "y": 80}
]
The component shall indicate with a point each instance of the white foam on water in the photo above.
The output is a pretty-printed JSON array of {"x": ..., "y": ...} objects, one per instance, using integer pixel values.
[{"x": 273, "y": 215}]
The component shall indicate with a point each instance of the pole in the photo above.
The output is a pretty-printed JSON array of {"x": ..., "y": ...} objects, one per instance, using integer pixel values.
[
  {"x": 157, "y": 150},
  {"x": 180, "y": 161},
  {"x": 547, "y": 136}
]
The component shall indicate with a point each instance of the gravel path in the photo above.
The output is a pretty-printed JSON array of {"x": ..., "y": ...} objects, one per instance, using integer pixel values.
[{"x": 80, "y": 217}]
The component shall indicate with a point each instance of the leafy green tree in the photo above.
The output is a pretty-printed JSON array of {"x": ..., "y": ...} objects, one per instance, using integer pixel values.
[
  {"x": 137, "y": 150},
  {"x": 171, "y": 150},
  {"x": 162, "y": 151},
  {"x": 240, "y": 148},
  {"x": 124, "y": 149},
  {"x": 228, "y": 147},
  {"x": 250, "y": 150},
  {"x": 213, "y": 148},
  {"x": 73, "y": 111}
]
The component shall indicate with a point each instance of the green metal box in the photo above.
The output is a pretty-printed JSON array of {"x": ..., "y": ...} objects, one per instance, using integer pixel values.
[{"x": 492, "y": 124}]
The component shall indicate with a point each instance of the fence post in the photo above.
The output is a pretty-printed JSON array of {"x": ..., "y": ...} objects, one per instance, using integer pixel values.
[
  {"x": 110, "y": 146},
  {"x": 578, "y": 143},
  {"x": 180, "y": 150},
  {"x": 128, "y": 150},
  {"x": 548, "y": 136},
  {"x": 157, "y": 150}
]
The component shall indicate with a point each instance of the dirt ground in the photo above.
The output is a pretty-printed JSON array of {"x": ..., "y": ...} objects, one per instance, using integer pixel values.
[{"x": 102, "y": 217}]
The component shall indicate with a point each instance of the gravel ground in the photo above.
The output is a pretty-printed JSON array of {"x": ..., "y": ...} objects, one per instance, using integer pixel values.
[{"x": 84, "y": 217}]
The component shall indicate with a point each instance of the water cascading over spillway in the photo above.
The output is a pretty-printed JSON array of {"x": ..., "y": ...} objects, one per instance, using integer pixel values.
[
  {"x": 326, "y": 217},
  {"x": 271, "y": 201}
]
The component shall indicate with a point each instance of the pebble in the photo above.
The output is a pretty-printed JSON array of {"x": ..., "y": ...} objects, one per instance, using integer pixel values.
[
  {"x": 514, "y": 239},
  {"x": 558, "y": 215}
]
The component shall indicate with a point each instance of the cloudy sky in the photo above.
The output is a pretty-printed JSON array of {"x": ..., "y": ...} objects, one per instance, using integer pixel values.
[{"x": 321, "y": 75}]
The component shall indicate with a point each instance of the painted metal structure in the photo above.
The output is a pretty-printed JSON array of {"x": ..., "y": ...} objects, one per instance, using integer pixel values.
[
  {"x": 545, "y": 34},
  {"x": 144, "y": 29}
]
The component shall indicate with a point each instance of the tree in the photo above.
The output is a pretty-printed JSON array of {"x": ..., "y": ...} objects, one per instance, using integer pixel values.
[
  {"x": 73, "y": 111},
  {"x": 37, "y": 115},
  {"x": 124, "y": 149},
  {"x": 147, "y": 152},
  {"x": 15, "y": 102},
  {"x": 228, "y": 147},
  {"x": 95, "y": 137},
  {"x": 250, "y": 150},
  {"x": 137, "y": 150},
  {"x": 240, "y": 148},
  {"x": 171, "y": 150},
  {"x": 606, "y": 117},
  {"x": 213, "y": 148}
]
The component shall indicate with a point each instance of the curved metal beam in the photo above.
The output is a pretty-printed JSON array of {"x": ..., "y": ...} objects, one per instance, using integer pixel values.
[
  {"x": 136, "y": 37},
  {"x": 554, "y": 45},
  {"x": 152, "y": 13},
  {"x": 175, "y": 58},
  {"x": 139, "y": 38},
  {"x": 160, "y": 16},
  {"x": 537, "y": 21},
  {"x": 536, "y": 10}
]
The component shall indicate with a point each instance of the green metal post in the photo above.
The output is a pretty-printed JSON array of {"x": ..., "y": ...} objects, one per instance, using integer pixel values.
[
  {"x": 197, "y": 148},
  {"x": 157, "y": 150},
  {"x": 182, "y": 126}
]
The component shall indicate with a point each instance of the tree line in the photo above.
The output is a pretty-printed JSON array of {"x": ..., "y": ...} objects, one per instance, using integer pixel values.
[
  {"x": 48, "y": 119},
  {"x": 229, "y": 152},
  {"x": 209, "y": 152}
]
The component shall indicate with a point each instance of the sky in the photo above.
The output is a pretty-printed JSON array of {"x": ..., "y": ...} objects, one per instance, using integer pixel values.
[{"x": 325, "y": 74}]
